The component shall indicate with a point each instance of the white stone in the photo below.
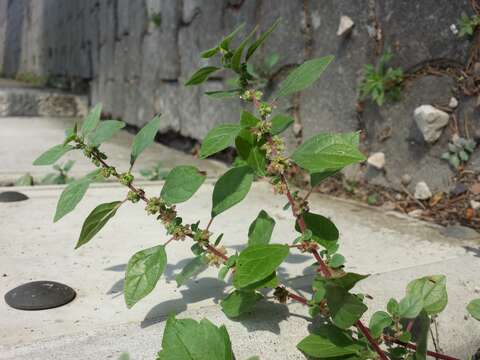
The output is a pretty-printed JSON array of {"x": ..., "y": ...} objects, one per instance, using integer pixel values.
[
  {"x": 453, "y": 29},
  {"x": 345, "y": 26},
  {"x": 377, "y": 160},
  {"x": 422, "y": 191},
  {"x": 415, "y": 213},
  {"x": 475, "y": 204},
  {"x": 430, "y": 121},
  {"x": 453, "y": 102}
]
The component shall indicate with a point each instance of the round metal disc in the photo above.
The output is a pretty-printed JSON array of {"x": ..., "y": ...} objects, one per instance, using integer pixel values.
[
  {"x": 12, "y": 196},
  {"x": 39, "y": 295}
]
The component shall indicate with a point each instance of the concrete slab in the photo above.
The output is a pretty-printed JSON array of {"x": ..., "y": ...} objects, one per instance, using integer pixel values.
[
  {"x": 23, "y": 139},
  {"x": 20, "y": 99},
  {"x": 396, "y": 249}
]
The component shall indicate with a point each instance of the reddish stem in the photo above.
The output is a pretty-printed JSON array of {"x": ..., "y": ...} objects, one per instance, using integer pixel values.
[
  {"x": 209, "y": 223},
  {"x": 323, "y": 268},
  {"x": 297, "y": 298},
  {"x": 216, "y": 252},
  {"x": 413, "y": 347},
  {"x": 371, "y": 340}
]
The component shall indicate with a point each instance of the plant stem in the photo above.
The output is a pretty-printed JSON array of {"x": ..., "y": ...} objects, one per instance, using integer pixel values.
[
  {"x": 371, "y": 340},
  {"x": 324, "y": 269},
  {"x": 413, "y": 347}
]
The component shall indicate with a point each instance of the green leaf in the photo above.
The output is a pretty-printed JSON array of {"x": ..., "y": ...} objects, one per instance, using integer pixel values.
[
  {"x": 225, "y": 43},
  {"x": 193, "y": 268},
  {"x": 25, "y": 180},
  {"x": 326, "y": 152},
  {"x": 257, "y": 262},
  {"x": 260, "y": 230},
  {"x": 231, "y": 188},
  {"x": 181, "y": 184},
  {"x": 433, "y": 289},
  {"x": 222, "y": 273},
  {"x": 336, "y": 261},
  {"x": 144, "y": 138},
  {"x": 317, "y": 178},
  {"x": 237, "y": 54},
  {"x": 187, "y": 339},
  {"x": 92, "y": 120},
  {"x": 143, "y": 272},
  {"x": 261, "y": 40},
  {"x": 303, "y": 76},
  {"x": 219, "y": 138},
  {"x": 323, "y": 229},
  {"x": 393, "y": 307},
  {"x": 473, "y": 308},
  {"x": 96, "y": 220},
  {"x": 239, "y": 302},
  {"x": 379, "y": 321},
  {"x": 270, "y": 282},
  {"x": 68, "y": 165},
  {"x": 210, "y": 52},
  {"x": 410, "y": 306},
  {"x": 222, "y": 94},
  {"x": 53, "y": 154},
  {"x": 329, "y": 342},
  {"x": 345, "y": 308},
  {"x": 347, "y": 281},
  {"x": 247, "y": 120},
  {"x": 105, "y": 131},
  {"x": 280, "y": 123},
  {"x": 421, "y": 336},
  {"x": 201, "y": 75},
  {"x": 249, "y": 150},
  {"x": 71, "y": 196}
]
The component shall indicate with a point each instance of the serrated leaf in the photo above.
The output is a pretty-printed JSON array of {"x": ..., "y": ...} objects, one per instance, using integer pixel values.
[
  {"x": 187, "y": 339},
  {"x": 260, "y": 230},
  {"x": 53, "y": 154},
  {"x": 239, "y": 302},
  {"x": 144, "y": 138},
  {"x": 201, "y": 75},
  {"x": 231, "y": 188},
  {"x": 258, "y": 262},
  {"x": 379, "y": 321},
  {"x": 92, "y": 120},
  {"x": 181, "y": 184},
  {"x": 247, "y": 120},
  {"x": 326, "y": 152},
  {"x": 433, "y": 289},
  {"x": 218, "y": 139},
  {"x": 329, "y": 342},
  {"x": 96, "y": 220},
  {"x": 473, "y": 308},
  {"x": 345, "y": 308},
  {"x": 280, "y": 123},
  {"x": 71, "y": 196},
  {"x": 105, "y": 131},
  {"x": 193, "y": 268},
  {"x": 261, "y": 40},
  {"x": 143, "y": 272},
  {"x": 303, "y": 76}
]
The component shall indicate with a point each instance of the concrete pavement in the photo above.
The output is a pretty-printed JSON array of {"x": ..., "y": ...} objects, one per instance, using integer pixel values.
[{"x": 97, "y": 324}]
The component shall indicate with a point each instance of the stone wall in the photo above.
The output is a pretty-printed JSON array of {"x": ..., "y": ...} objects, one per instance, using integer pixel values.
[{"x": 136, "y": 66}]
